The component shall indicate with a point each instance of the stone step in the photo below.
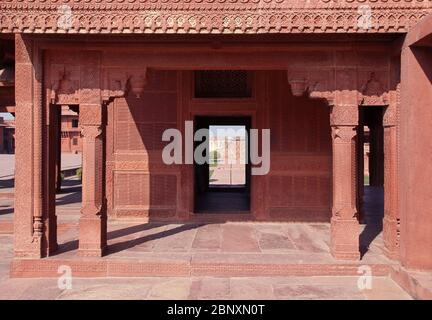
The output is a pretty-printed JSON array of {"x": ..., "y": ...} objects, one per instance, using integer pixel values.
[{"x": 111, "y": 267}]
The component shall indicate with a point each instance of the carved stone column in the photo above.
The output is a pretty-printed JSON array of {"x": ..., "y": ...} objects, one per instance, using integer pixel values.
[
  {"x": 93, "y": 220},
  {"x": 344, "y": 222}
]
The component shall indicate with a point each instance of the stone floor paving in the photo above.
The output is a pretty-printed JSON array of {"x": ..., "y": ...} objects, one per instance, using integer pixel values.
[
  {"x": 253, "y": 241},
  {"x": 202, "y": 288}
]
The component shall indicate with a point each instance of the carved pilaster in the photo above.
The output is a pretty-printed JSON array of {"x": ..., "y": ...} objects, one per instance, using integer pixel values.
[
  {"x": 391, "y": 222},
  {"x": 344, "y": 222},
  {"x": 391, "y": 229},
  {"x": 93, "y": 220},
  {"x": 31, "y": 235}
]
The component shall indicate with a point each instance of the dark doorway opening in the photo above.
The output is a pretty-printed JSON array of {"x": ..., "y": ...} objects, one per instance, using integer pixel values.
[
  {"x": 222, "y": 182},
  {"x": 371, "y": 173}
]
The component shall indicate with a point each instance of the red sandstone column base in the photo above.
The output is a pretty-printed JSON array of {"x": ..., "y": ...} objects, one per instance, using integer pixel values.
[
  {"x": 345, "y": 239},
  {"x": 92, "y": 238}
]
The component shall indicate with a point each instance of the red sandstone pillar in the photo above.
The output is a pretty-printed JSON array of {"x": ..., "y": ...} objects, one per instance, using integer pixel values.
[
  {"x": 31, "y": 219},
  {"x": 93, "y": 220},
  {"x": 415, "y": 170},
  {"x": 344, "y": 222}
]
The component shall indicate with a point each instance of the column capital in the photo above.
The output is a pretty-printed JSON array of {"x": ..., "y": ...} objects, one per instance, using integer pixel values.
[
  {"x": 343, "y": 134},
  {"x": 91, "y": 132}
]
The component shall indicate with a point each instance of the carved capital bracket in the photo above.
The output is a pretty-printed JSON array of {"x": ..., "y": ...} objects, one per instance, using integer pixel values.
[
  {"x": 343, "y": 134},
  {"x": 91, "y": 132},
  {"x": 315, "y": 84},
  {"x": 391, "y": 111},
  {"x": 373, "y": 92},
  {"x": 117, "y": 83},
  {"x": 64, "y": 85}
]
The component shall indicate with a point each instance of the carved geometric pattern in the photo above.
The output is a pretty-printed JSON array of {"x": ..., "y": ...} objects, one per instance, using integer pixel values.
[
  {"x": 209, "y": 16},
  {"x": 91, "y": 132},
  {"x": 343, "y": 134},
  {"x": 222, "y": 84},
  {"x": 344, "y": 115}
]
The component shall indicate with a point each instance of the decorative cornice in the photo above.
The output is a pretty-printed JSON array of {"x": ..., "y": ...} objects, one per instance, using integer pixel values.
[{"x": 210, "y": 16}]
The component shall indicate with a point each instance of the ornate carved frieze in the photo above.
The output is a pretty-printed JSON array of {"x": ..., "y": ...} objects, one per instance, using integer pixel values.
[{"x": 210, "y": 16}]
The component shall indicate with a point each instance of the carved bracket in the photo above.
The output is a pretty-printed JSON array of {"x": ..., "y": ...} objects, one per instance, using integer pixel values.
[
  {"x": 373, "y": 92},
  {"x": 316, "y": 84},
  {"x": 64, "y": 85},
  {"x": 119, "y": 82}
]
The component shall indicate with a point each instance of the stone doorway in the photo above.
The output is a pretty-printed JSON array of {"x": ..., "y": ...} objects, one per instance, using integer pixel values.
[{"x": 222, "y": 183}]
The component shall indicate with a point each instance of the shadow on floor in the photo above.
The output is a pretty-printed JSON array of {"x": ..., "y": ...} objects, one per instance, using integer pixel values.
[
  {"x": 117, "y": 247},
  {"x": 6, "y": 210},
  {"x": 373, "y": 211},
  {"x": 71, "y": 192},
  {"x": 222, "y": 201},
  {"x": 120, "y": 246},
  {"x": 7, "y": 183}
]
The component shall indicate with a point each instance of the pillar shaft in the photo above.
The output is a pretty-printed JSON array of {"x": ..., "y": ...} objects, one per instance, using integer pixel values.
[{"x": 93, "y": 220}]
